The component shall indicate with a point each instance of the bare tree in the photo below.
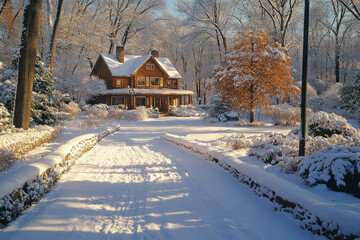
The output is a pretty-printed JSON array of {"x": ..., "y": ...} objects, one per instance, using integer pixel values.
[
  {"x": 29, "y": 36},
  {"x": 211, "y": 17},
  {"x": 123, "y": 16},
  {"x": 53, "y": 30},
  {"x": 353, "y": 6},
  {"x": 338, "y": 27},
  {"x": 280, "y": 12}
]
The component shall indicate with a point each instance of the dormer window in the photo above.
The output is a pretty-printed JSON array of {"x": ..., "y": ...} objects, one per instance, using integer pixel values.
[
  {"x": 118, "y": 83},
  {"x": 150, "y": 66}
]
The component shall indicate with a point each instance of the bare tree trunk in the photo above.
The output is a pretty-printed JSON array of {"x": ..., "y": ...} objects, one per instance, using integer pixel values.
[
  {"x": 29, "y": 37},
  {"x": 337, "y": 59},
  {"x": 53, "y": 31}
]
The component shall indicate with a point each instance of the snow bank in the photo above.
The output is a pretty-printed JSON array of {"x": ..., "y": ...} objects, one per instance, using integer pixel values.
[
  {"x": 27, "y": 184},
  {"x": 316, "y": 213}
]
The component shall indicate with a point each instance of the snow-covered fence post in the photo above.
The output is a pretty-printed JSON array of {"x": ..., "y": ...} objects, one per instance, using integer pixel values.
[{"x": 302, "y": 142}]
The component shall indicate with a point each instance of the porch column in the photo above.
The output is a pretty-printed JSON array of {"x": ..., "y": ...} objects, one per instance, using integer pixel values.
[{"x": 181, "y": 100}]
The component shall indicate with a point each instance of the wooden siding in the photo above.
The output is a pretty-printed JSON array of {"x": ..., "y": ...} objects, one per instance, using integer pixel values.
[
  {"x": 157, "y": 72},
  {"x": 103, "y": 72}
]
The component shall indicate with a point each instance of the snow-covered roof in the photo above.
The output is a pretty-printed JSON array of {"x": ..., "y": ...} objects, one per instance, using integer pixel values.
[
  {"x": 133, "y": 62},
  {"x": 138, "y": 91}
]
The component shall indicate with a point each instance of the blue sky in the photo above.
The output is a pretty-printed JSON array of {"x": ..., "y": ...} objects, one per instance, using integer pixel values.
[{"x": 170, "y": 4}]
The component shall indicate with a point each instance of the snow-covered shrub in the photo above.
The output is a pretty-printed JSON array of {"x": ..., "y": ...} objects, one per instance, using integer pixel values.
[
  {"x": 97, "y": 111},
  {"x": 274, "y": 148},
  {"x": 139, "y": 114},
  {"x": 236, "y": 142},
  {"x": 85, "y": 107},
  {"x": 4, "y": 116},
  {"x": 249, "y": 124},
  {"x": 21, "y": 141},
  {"x": 327, "y": 124},
  {"x": 337, "y": 167},
  {"x": 72, "y": 108},
  {"x": 153, "y": 112},
  {"x": 350, "y": 94},
  {"x": 284, "y": 114},
  {"x": 186, "y": 111},
  {"x": 219, "y": 111},
  {"x": 115, "y": 113}
]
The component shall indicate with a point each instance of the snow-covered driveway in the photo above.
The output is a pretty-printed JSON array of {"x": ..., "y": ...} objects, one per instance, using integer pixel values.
[{"x": 134, "y": 185}]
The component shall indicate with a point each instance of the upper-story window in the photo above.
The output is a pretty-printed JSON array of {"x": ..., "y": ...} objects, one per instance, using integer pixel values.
[
  {"x": 118, "y": 83},
  {"x": 154, "y": 81},
  {"x": 169, "y": 84},
  {"x": 140, "y": 81},
  {"x": 175, "y": 84},
  {"x": 150, "y": 66}
]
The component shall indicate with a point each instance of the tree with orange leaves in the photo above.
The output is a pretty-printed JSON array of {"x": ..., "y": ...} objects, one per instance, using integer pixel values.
[{"x": 253, "y": 73}]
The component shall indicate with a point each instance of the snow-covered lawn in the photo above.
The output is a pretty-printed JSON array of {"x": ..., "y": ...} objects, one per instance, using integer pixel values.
[{"x": 135, "y": 185}]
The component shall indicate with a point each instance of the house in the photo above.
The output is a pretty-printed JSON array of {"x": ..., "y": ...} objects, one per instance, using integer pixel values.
[{"x": 134, "y": 81}]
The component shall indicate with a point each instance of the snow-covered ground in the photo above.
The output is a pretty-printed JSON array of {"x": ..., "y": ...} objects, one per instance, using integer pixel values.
[{"x": 135, "y": 185}]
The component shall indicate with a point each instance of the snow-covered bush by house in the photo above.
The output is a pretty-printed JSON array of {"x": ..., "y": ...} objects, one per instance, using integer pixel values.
[
  {"x": 284, "y": 114},
  {"x": 139, "y": 114},
  {"x": 85, "y": 107},
  {"x": 115, "y": 112},
  {"x": 186, "y": 111},
  {"x": 72, "y": 108},
  {"x": 97, "y": 111},
  {"x": 327, "y": 124},
  {"x": 153, "y": 112},
  {"x": 337, "y": 167}
]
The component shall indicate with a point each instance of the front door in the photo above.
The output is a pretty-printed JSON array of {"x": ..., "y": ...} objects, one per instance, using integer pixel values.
[{"x": 157, "y": 102}]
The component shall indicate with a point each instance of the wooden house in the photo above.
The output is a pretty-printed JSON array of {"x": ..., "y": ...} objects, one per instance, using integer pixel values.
[{"x": 134, "y": 81}]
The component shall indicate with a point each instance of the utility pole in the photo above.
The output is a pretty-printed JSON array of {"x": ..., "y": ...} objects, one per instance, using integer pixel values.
[{"x": 302, "y": 142}]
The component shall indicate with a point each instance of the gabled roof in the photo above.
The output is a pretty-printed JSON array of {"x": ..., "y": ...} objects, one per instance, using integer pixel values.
[{"x": 132, "y": 63}]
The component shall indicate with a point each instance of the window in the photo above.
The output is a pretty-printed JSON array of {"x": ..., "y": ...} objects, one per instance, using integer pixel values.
[
  {"x": 140, "y": 81},
  {"x": 154, "y": 81},
  {"x": 140, "y": 101},
  {"x": 117, "y": 100},
  {"x": 150, "y": 66},
  {"x": 175, "y": 84},
  {"x": 169, "y": 84},
  {"x": 118, "y": 83}
]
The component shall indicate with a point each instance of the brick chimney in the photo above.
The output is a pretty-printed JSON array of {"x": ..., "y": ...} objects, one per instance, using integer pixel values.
[
  {"x": 155, "y": 53},
  {"x": 120, "y": 53}
]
